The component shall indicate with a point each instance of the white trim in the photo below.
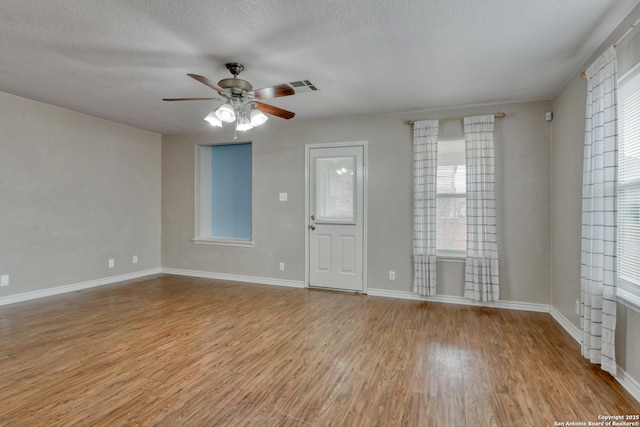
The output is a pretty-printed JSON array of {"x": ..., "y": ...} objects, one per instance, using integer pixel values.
[
  {"x": 306, "y": 216},
  {"x": 223, "y": 242},
  {"x": 28, "y": 296},
  {"x": 449, "y": 299},
  {"x": 365, "y": 214},
  {"x": 202, "y": 187},
  {"x": 365, "y": 207},
  {"x": 572, "y": 329},
  {"x": 629, "y": 73},
  {"x": 451, "y": 256},
  {"x": 628, "y": 298},
  {"x": 234, "y": 277},
  {"x": 629, "y": 383}
]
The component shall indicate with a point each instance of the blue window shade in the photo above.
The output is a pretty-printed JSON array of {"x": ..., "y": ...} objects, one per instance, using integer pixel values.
[{"x": 231, "y": 191}]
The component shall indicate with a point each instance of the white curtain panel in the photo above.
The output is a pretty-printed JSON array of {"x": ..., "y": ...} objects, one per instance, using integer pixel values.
[
  {"x": 598, "y": 255},
  {"x": 425, "y": 156},
  {"x": 481, "y": 269}
]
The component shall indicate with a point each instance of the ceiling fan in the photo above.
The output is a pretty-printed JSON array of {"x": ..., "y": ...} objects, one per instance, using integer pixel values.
[{"x": 242, "y": 103}]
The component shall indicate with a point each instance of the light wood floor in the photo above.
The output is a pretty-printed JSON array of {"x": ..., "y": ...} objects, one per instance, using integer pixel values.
[{"x": 177, "y": 351}]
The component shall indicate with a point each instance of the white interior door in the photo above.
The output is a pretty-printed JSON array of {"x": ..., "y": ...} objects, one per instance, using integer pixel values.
[{"x": 336, "y": 206}]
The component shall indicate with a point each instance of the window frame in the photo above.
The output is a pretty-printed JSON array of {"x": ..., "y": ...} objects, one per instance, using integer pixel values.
[
  {"x": 449, "y": 254},
  {"x": 202, "y": 205},
  {"x": 627, "y": 293}
]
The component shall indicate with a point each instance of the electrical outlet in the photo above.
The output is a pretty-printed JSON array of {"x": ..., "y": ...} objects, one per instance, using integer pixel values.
[
  {"x": 577, "y": 307},
  {"x": 112, "y": 263},
  {"x": 4, "y": 280},
  {"x": 135, "y": 259},
  {"x": 392, "y": 275},
  {"x": 283, "y": 197},
  {"x": 282, "y": 266}
]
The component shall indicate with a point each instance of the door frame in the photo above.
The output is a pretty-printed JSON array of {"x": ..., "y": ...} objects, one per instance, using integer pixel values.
[{"x": 365, "y": 209}]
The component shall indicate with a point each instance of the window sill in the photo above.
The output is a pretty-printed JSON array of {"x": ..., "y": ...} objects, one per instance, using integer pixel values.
[
  {"x": 451, "y": 256},
  {"x": 628, "y": 298},
  {"x": 223, "y": 242}
]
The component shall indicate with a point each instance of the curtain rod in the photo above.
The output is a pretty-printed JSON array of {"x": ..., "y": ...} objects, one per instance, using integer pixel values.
[
  {"x": 583, "y": 75},
  {"x": 626, "y": 33},
  {"x": 497, "y": 116}
]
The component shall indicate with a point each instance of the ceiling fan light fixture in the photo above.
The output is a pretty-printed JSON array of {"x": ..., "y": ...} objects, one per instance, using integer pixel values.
[
  {"x": 243, "y": 124},
  {"x": 258, "y": 118},
  {"x": 213, "y": 120},
  {"x": 225, "y": 113}
]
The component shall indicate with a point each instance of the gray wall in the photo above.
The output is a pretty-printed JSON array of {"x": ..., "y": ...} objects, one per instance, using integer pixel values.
[
  {"x": 566, "y": 198},
  {"x": 523, "y": 171},
  {"x": 74, "y": 192}
]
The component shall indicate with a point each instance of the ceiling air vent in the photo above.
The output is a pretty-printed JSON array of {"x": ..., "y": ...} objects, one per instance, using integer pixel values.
[{"x": 303, "y": 86}]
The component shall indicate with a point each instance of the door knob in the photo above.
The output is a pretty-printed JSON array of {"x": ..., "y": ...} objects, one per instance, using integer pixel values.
[{"x": 312, "y": 227}]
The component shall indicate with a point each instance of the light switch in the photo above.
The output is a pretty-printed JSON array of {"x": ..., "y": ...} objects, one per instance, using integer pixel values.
[{"x": 283, "y": 197}]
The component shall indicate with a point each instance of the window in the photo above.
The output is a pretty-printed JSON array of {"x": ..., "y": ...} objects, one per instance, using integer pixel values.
[
  {"x": 224, "y": 194},
  {"x": 335, "y": 189},
  {"x": 451, "y": 198},
  {"x": 629, "y": 182}
]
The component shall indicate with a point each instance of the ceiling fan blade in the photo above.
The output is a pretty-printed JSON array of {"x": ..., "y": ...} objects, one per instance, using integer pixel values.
[
  {"x": 270, "y": 109},
  {"x": 205, "y": 81},
  {"x": 274, "y": 91},
  {"x": 190, "y": 99}
]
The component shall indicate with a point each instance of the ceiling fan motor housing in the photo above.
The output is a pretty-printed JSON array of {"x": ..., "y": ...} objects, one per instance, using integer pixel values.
[{"x": 237, "y": 86}]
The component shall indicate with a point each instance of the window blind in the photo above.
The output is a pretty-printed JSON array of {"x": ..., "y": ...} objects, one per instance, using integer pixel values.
[{"x": 629, "y": 180}]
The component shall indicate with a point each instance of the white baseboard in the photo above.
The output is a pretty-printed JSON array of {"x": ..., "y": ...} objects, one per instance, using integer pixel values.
[
  {"x": 510, "y": 305},
  {"x": 27, "y": 296},
  {"x": 629, "y": 383},
  {"x": 234, "y": 277},
  {"x": 566, "y": 324}
]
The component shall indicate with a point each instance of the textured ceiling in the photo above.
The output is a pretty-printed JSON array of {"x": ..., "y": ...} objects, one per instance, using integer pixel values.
[{"x": 116, "y": 59}]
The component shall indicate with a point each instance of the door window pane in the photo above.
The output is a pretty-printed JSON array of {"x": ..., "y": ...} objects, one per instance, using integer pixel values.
[{"x": 335, "y": 189}]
